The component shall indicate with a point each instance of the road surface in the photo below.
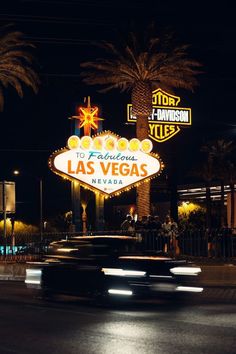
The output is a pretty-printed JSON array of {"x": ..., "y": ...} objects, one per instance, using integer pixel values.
[{"x": 30, "y": 325}]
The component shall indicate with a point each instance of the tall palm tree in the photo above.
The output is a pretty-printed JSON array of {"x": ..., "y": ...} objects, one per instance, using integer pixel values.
[
  {"x": 205, "y": 172},
  {"x": 15, "y": 63},
  {"x": 140, "y": 65},
  {"x": 218, "y": 151}
]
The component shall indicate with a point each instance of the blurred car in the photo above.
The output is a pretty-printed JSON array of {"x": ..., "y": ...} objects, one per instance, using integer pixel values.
[{"x": 106, "y": 267}]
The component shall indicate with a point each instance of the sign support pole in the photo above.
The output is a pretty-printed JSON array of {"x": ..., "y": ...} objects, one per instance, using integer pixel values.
[
  {"x": 99, "y": 200},
  {"x": 76, "y": 195},
  {"x": 76, "y": 211}
]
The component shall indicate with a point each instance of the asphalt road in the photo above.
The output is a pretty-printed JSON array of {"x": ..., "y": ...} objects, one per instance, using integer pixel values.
[{"x": 74, "y": 326}]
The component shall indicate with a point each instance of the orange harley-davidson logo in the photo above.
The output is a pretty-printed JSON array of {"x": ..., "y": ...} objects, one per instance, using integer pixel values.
[{"x": 167, "y": 116}]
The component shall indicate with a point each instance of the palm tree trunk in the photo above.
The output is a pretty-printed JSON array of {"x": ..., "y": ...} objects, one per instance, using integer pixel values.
[
  {"x": 142, "y": 109},
  {"x": 143, "y": 191},
  {"x": 143, "y": 199}
]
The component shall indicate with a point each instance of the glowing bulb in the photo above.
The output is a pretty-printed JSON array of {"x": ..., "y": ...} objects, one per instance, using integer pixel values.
[
  {"x": 134, "y": 144},
  {"x": 110, "y": 144},
  {"x": 146, "y": 145},
  {"x": 97, "y": 143},
  {"x": 122, "y": 144},
  {"x": 73, "y": 142},
  {"x": 86, "y": 142}
]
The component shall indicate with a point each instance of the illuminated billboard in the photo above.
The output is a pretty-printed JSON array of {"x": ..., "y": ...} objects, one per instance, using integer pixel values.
[
  {"x": 167, "y": 116},
  {"x": 106, "y": 163}
]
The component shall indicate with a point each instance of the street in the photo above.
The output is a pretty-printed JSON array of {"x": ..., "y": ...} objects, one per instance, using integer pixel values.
[{"x": 70, "y": 325}]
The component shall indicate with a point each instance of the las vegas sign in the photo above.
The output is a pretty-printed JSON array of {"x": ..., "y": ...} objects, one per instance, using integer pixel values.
[{"x": 106, "y": 163}]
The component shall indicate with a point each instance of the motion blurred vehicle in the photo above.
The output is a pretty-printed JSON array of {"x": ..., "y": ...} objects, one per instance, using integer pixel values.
[{"x": 109, "y": 267}]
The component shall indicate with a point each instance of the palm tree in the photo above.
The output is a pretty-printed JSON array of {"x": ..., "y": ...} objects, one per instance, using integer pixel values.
[
  {"x": 217, "y": 152},
  {"x": 205, "y": 172},
  {"x": 140, "y": 65},
  {"x": 15, "y": 63}
]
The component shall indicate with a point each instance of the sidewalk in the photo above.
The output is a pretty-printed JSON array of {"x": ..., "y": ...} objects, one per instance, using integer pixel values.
[
  {"x": 12, "y": 271},
  {"x": 218, "y": 275}
]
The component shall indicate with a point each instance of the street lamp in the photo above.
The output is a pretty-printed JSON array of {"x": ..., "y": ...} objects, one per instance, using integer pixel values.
[{"x": 17, "y": 173}]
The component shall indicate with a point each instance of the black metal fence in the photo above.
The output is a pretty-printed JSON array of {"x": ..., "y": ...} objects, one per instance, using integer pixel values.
[
  {"x": 195, "y": 243},
  {"x": 219, "y": 244}
]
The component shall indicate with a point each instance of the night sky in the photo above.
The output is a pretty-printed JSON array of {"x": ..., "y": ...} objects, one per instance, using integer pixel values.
[{"x": 35, "y": 126}]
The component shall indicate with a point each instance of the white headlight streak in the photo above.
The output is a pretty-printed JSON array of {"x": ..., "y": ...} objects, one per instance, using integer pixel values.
[
  {"x": 30, "y": 281},
  {"x": 67, "y": 249},
  {"x": 189, "y": 289},
  {"x": 33, "y": 271},
  {"x": 123, "y": 272},
  {"x": 120, "y": 292},
  {"x": 185, "y": 270},
  {"x": 33, "y": 276}
]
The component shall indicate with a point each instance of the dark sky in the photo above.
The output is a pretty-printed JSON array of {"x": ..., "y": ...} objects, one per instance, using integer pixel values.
[{"x": 36, "y": 125}]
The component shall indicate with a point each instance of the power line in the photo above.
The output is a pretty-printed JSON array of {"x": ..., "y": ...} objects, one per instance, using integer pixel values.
[
  {"x": 89, "y": 3},
  {"x": 67, "y": 41},
  {"x": 23, "y": 150},
  {"x": 57, "y": 20},
  {"x": 57, "y": 41},
  {"x": 61, "y": 75}
]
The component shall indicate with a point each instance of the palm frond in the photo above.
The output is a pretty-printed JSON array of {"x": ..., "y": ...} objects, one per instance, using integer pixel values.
[
  {"x": 157, "y": 62},
  {"x": 16, "y": 63}
]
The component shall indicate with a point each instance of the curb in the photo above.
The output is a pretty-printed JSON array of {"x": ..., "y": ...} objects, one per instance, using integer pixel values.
[{"x": 217, "y": 275}]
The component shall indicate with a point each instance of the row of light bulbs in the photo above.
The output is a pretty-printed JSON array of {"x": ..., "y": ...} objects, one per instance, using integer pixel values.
[{"x": 109, "y": 143}]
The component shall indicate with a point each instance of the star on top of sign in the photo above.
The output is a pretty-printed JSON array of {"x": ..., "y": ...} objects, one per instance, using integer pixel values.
[{"x": 88, "y": 117}]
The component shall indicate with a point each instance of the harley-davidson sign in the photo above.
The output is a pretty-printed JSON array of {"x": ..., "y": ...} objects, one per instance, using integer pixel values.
[
  {"x": 167, "y": 117},
  {"x": 106, "y": 163}
]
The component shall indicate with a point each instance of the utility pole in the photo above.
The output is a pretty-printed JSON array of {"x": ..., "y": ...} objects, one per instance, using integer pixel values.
[{"x": 41, "y": 208}]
